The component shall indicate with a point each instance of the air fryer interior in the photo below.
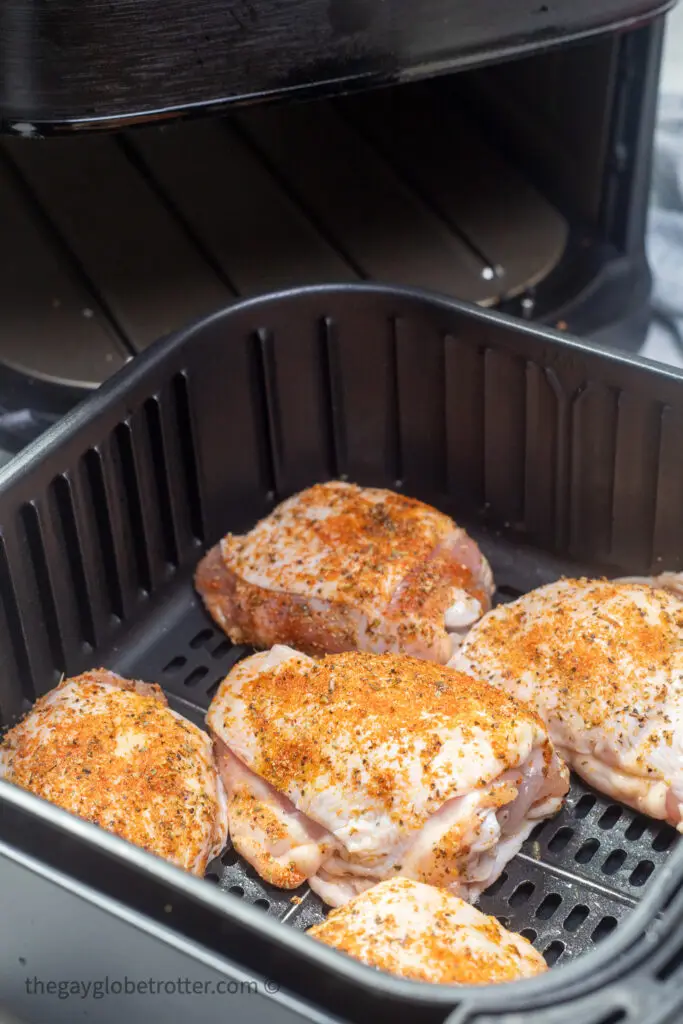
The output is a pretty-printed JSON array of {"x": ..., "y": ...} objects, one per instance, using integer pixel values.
[{"x": 485, "y": 185}]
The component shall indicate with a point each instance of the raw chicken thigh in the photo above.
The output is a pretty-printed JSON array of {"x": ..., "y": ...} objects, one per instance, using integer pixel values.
[
  {"x": 339, "y": 568},
  {"x": 112, "y": 752},
  {"x": 426, "y": 934},
  {"x": 602, "y": 663},
  {"x": 359, "y": 767}
]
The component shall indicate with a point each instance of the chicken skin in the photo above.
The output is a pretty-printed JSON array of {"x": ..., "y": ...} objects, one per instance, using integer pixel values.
[
  {"x": 417, "y": 931},
  {"x": 359, "y": 767},
  {"x": 112, "y": 752},
  {"x": 339, "y": 568},
  {"x": 602, "y": 663}
]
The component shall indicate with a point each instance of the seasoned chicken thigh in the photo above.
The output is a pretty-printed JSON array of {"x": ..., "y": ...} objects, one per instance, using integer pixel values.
[
  {"x": 359, "y": 767},
  {"x": 417, "y": 931},
  {"x": 112, "y": 752},
  {"x": 339, "y": 568},
  {"x": 602, "y": 663}
]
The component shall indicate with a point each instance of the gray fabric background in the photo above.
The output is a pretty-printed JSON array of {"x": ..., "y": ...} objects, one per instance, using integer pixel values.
[{"x": 665, "y": 234}]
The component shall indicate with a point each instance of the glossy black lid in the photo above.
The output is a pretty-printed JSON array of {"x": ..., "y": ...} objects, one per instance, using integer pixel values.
[{"x": 73, "y": 64}]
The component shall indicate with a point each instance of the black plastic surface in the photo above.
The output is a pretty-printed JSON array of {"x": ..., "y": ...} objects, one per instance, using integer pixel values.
[
  {"x": 558, "y": 457},
  {"x": 67, "y": 65}
]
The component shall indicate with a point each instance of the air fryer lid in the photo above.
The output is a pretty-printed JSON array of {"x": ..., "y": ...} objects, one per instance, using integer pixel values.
[{"x": 68, "y": 63}]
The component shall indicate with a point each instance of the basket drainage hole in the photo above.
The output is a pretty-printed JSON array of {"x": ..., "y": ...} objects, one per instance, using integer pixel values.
[
  {"x": 196, "y": 676},
  {"x": 530, "y": 934},
  {"x": 521, "y": 894},
  {"x": 614, "y": 862},
  {"x": 603, "y": 928},
  {"x": 498, "y": 884},
  {"x": 230, "y": 857},
  {"x": 560, "y": 839},
  {"x": 505, "y": 921},
  {"x": 586, "y": 851},
  {"x": 262, "y": 903},
  {"x": 584, "y": 806},
  {"x": 537, "y": 830},
  {"x": 663, "y": 840},
  {"x": 175, "y": 664},
  {"x": 548, "y": 907},
  {"x": 201, "y": 639},
  {"x": 575, "y": 919},
  {"x": 636, "y": 828},
  {"x": 610, "y": 817},
  {"x": 237, "y": 890},
  {"x": 222, "y": 649},
  {"x": 641, "y": 872},
  {"x": 553, "y": 952}
]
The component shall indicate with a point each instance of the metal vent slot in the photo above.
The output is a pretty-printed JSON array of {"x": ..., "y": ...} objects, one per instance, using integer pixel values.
[
  {"x": 46, "y": 595},
  {"x": 188, "y": 454},
  {"x": 466, "y": 419},
  {"x": 139, "y": 458},
  {"x": 332, "y": 395},
  {"x": 131, "y": 489},
  {"x": 421, "y": 443},
  {"x": 178, "y": 461},
  {"x": 605, "y": 927},
  {"x": 15, "y": 638},
  {"x": 553, "y": 952},
  {"x": 63, "y": 502},
  {"x": 100, "y": 503},
  {"x": 163, "y": 494},
  {"x": 262, "y": 390},
  {"x": 575, "y": 918}
]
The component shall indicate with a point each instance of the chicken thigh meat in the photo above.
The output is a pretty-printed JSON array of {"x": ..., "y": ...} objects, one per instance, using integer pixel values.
[
  {"x": 112, "y": 752},
  {"x": 360, "y": 767},
  {"x": 339, "y": 567},
  {"x": 602, "y": 663},
  {"x": 417, "y": 931}
]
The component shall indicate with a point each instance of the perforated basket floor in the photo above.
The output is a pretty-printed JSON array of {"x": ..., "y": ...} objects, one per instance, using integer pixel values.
[{"x": 578, "y": 874}]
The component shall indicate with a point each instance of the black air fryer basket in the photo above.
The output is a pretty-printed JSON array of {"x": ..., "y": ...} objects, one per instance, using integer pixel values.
[{"x": 559, "y": 458}]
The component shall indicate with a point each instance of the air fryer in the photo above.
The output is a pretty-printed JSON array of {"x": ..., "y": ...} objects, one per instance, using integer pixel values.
[{"x": 518, "y": 184}]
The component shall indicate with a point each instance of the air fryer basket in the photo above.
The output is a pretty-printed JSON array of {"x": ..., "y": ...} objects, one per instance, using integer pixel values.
[{"x": 559, "y": 457}]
